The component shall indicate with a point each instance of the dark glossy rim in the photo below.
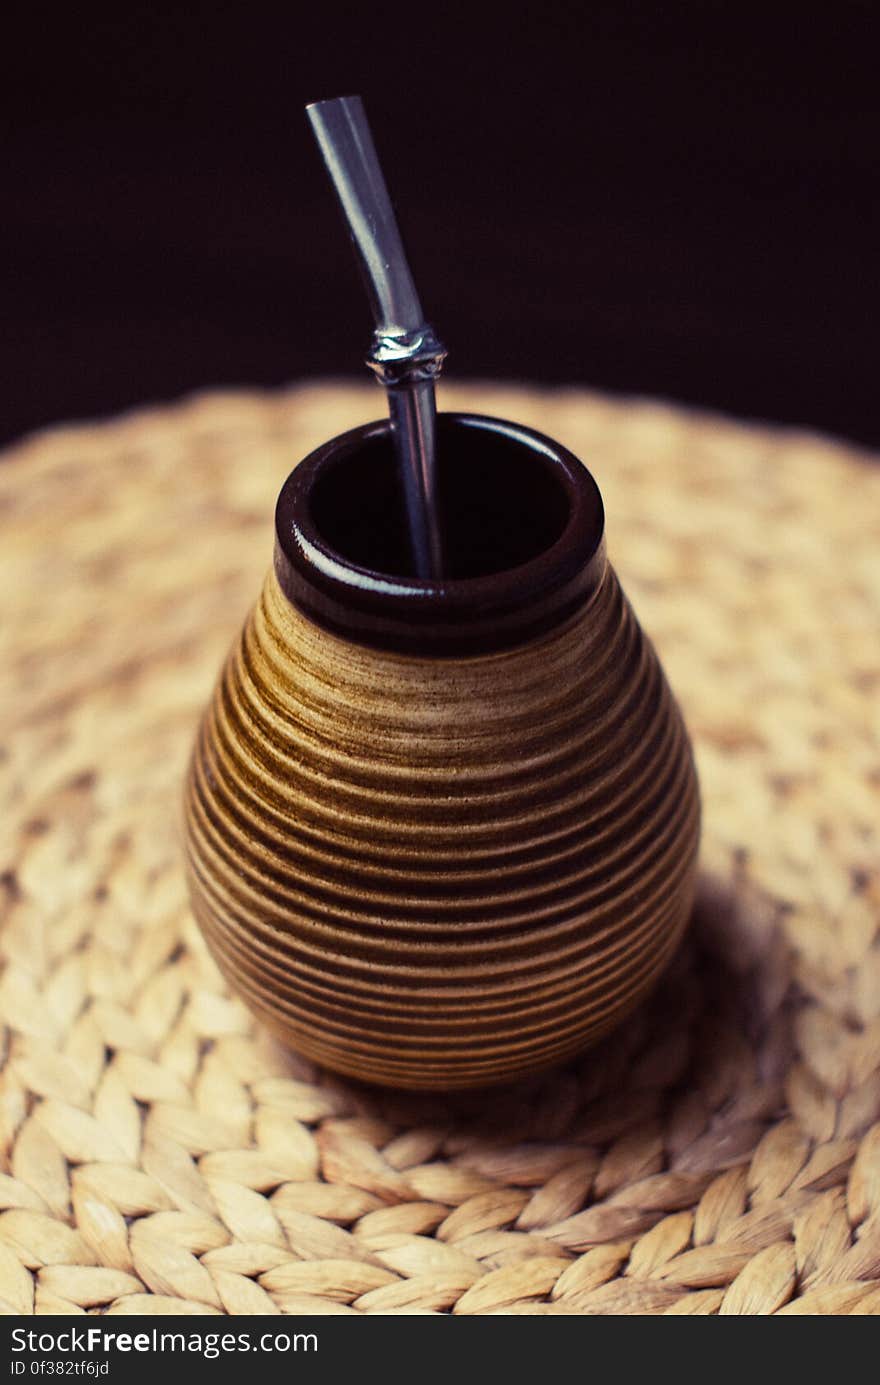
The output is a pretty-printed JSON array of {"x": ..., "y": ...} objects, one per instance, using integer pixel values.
[{"x": 425, "y": 616}]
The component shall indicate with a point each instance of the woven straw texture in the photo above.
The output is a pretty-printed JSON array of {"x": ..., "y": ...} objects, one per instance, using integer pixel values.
[{"x": 720, "y": 1154}]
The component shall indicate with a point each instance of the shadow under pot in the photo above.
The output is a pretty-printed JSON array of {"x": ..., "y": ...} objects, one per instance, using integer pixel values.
[{"x": 442, "y": 833}]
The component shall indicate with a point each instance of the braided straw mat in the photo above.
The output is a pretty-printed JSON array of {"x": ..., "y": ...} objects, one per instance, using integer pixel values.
[{"x": 720, "y": 1154}]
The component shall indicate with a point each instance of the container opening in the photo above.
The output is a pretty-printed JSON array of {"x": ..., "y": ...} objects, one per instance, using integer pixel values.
[{"x": 501, "y": 504}]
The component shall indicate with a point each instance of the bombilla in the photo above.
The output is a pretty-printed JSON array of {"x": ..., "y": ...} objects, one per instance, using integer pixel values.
[{"x": 405, "y": 353}]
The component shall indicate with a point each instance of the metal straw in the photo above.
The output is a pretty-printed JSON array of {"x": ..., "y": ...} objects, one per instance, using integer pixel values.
[{"x": 405, "y": 353}]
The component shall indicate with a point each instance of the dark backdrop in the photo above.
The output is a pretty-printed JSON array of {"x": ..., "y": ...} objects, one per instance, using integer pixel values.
[{"x": 667, "y": 198}]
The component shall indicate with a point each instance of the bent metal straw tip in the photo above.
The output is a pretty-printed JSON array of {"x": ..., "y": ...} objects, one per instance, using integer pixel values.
[{"x": 406, "y": 354}]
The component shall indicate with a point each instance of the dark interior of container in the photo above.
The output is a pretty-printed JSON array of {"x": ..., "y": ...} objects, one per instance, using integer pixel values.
[{"x": 500, "y": 503}]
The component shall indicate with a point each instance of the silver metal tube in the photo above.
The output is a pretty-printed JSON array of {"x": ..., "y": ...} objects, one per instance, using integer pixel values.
[
  {"x": 346, "y": 142},
  {"x": 413, "y": 415},
  {"x": 405, "y": 353}
]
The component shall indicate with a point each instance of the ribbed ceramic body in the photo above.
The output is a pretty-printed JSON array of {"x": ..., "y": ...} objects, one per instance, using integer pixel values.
[
  {"x": 442, "y": 871},
  {"x": 423, "y": 859}
]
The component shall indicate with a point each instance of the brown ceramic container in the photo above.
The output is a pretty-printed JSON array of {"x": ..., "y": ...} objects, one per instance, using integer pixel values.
[{"x": 442, "y": 833}]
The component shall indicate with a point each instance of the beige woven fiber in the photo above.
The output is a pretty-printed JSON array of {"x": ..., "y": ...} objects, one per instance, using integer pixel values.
[{"x": 721, "y": 1154}]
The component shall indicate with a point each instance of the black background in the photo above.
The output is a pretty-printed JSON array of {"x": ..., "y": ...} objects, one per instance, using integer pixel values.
[{"x": 673, "y": 199}]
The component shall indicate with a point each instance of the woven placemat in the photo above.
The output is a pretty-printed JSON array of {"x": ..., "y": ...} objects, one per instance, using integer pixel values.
[{"x": 720, "y": 1154}]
